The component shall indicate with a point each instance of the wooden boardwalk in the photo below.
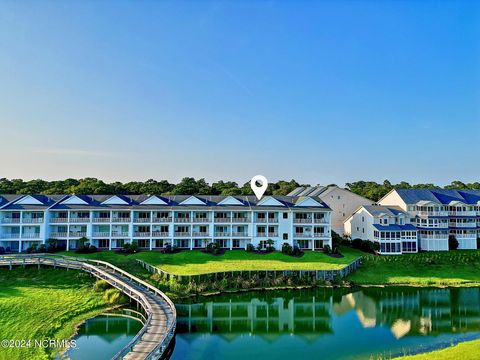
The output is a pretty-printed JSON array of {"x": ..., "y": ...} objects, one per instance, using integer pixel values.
[{"x": 159, "y": 329}]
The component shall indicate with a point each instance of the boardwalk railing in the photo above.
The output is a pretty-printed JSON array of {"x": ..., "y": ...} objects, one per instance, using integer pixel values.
[
  {"x": 247, "y": 274},
  {"x": 94, "y": 267}
]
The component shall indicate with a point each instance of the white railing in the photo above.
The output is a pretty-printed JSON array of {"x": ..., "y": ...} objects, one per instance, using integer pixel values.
[
  {"x": 58, "y": 234},
  {"x": 161, "y": 219},
  {"x": 141, "y": 220},
  {"x": 244, "y": 233},
  {"x": 11, "y": 221},
  {"x": 463, "y": 225},
  {"x": 302, "y": 221},
  {"x": 10, "y": 236},
  {"x": 58, "y": 220},
  {"x": 221, "y": 220},
  {"x": 32, "y": 220},
  {"x": 141, "y": 234},
  {"x": 320, "y": 221},
  {"x": 240, "y": 220},
  {"x": 182, "y": 233},
  {"x": 200, "y": 233},
  {"x": 182, "y": 220},
  {"x": 78, "y": 234},
  {"x": 31, "y": 236},
  {"x": 101, "y": 219},
  {"x": 432, "y": 213},
  {"x": 220, "y": 234},
  {"x": 433, "y": 237},
  {"x": 101, "y": 234},
  {"x": 201, "y": 220},
  {"x": 462, "y": 213},
  {"x": 118, "y": 219},
  {"x": 120, "y": 233},
  {"x": 79, "y": 220},
  {"x": 160, "y": 233}
]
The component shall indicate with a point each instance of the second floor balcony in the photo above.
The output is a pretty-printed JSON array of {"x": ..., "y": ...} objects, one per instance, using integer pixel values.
[{"x": 142, "y": 234}]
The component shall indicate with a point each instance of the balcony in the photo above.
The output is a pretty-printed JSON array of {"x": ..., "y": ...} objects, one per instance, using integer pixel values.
[
  {"x": 182, "y": 220},
  {"x": 261, "y": 220},
  {"x": 241, "y": 233},
  {"x": 58, "y": 235},
  {"x": 101, "y": 234},
  {"x": 304, "y": 235},
  {"x": 141, "y": 220},
  {"x": 319, "y": 235},
  {"x": 10, "y": 236},
  {"x": 200, "y": 233},
  {"x": 432, "y": 213},
  {"x": 120, "y": 233},
  {"x": 466, "y": 236},
  {"x": 141, "y": 234},
  {"x": 273, "y": 220},
  {"x": 302, "y": 221},
  {"x": 462, "y": 213},
  {"x": 201, "y": 220},
  {"x": 58, "y": 220},
  {"x": 118, "y": 219},
  {"x": 31, "y": 236},
  {"x": 434, "y": 237},
  {"x": 101, "y": 220},
  {"x": 78, "y": 234},
  {"x": 11, "y": 221},
  {"x": 240, "y": 219},
  {"x": 32, "y": 220},
  {"x": 160, "y": 233},
  {"x": 182, "y": 233},
  {"x": 79, "y": 220},
  {"x": 161, "y": 219},
  {"x": 320, "y": 221},
  {"x": 222, "y": 234},
  {"x": 462, "y": 225},
  {"x": 222, "y": 220}
]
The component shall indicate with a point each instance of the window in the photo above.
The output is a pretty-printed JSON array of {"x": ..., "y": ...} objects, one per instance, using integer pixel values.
[
  {"x": 103, "y": 243},
  {"x": 236, "y": 244},
  {"x": 285, "y": 236},
  {"x": 363, "y": 218},
  {"x": 285, "y": 215}
]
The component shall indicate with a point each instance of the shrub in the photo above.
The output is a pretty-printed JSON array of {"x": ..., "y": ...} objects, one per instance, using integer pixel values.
[
  {"x": 101, "y": 285},
  {"x": 114, "y": 296},
  {"x": 452, "y": 242},
  {"x": 2, "y": 250},
  {"x": 213, "y": 248},
  {"x": 42, "y": 248},
  {"x": 85, "y": 247},
  {"x": 250, "y": 248},
  {"x": 357, "y": 243},
  {"x": 167, "y": 249},
  {"x": 327, "y": 249},
  {"x": 287, "y": 249},
  {"x": 337, "y": 240}
]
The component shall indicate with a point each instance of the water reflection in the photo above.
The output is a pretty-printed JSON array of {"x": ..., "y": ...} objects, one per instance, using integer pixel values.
[{"x": 372, "y": 320}]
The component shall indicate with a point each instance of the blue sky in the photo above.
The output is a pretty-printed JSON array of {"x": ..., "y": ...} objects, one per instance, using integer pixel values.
[{"x": 323, "y": 92}]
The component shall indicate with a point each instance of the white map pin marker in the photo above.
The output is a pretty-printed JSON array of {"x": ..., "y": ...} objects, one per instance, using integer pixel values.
[{"x": 259, "y": 190}]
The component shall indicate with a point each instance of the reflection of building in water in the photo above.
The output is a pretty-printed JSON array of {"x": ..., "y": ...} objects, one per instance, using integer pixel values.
[
  {"x": 405, "y": 312},
  {"x": 276, "y": 316},
  {"x": 415, "y": 311}
]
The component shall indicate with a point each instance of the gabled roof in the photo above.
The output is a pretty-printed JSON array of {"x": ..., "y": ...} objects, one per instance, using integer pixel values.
[
  {"x": 75, "y": 200},
  {"x": 116, "y": 200},
  {"x": 193, "y": 200},
  {"x": 307, "y": 201},
  {"x": 154, "y": 200},
  {"x": 269, "y": 201},
  {"x": 231, "y": 200}
]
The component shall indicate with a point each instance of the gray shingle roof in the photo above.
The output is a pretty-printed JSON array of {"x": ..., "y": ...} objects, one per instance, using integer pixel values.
[{"x": 439, "y": 196}]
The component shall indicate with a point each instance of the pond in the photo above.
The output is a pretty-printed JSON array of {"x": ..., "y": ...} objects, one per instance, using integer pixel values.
[
  {"x": 326, "y": 323},
  {"x": 103, "y": 336}
]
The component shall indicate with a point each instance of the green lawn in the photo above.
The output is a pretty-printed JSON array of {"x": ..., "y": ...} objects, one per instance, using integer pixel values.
[
  {"x": 43, "y": 304},
  {"x": 464, "y": 351},
  {"x": 454, "y": 268},
  {"x": 196, "y": 262}
]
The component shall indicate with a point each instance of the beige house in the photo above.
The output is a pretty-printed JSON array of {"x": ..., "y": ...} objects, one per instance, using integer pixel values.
[{"x": 343, "y": 202}]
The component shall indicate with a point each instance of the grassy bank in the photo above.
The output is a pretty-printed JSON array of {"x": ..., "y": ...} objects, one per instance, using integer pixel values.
[
  {"x": 465, "y": 351},
  {"x": 454, "y": 268},
  {"x": 196, "y": 262},
  {"x": 44, "y": 304}
]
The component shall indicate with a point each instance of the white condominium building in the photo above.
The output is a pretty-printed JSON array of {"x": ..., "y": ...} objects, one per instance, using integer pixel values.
[
  {"x": 184, "y": 221},
  {"x": 387, "y": 225},
  {"x": 439, "y": 213}
]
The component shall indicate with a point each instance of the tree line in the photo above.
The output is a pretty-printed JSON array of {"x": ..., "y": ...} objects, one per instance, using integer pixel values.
[{"x": 190, "y": 186}]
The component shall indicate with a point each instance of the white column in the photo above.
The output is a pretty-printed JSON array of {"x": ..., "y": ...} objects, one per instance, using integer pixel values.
[
  {"x": 151, "y": 241},
  {"x": 191, "y": 244},
  {"x": 68, "y": 244}
]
